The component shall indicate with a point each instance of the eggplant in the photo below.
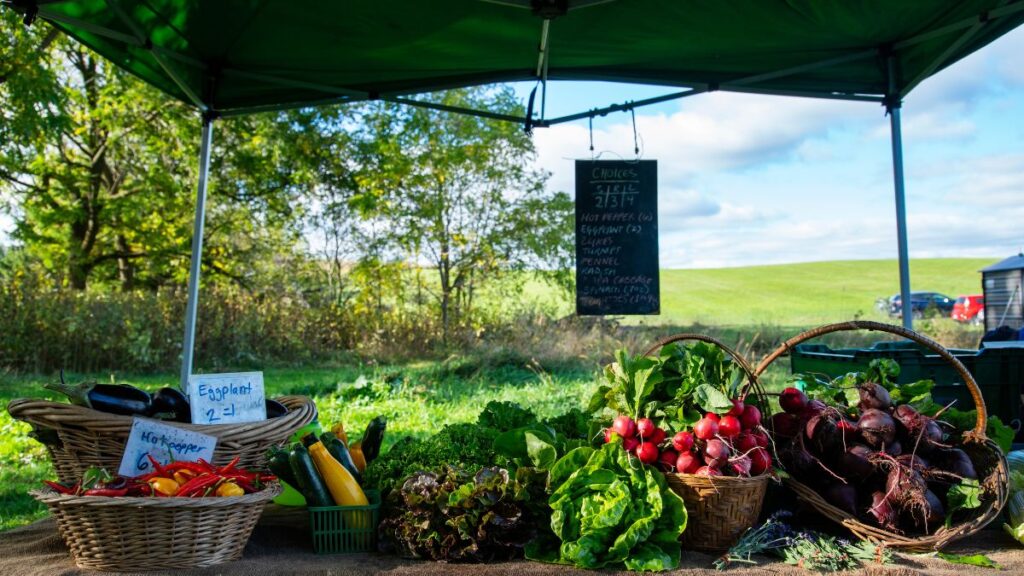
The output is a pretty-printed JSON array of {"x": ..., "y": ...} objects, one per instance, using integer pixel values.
[
  {"x": 112, "y": 398},
  {"x": 275, "y": 409},
  {"x": 172, "y": 401}
]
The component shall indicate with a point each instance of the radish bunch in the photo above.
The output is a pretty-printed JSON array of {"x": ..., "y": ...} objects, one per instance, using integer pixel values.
[
  {"x": 728, "y": 444},
  {"x": 888, "y": 465}
]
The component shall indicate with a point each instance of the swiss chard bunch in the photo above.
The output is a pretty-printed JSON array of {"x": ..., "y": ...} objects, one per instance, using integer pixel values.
[
  {"x": 676, "y": 388},
  {"x": 457, "y": 516},
  {"x": 608, "y": 512}
]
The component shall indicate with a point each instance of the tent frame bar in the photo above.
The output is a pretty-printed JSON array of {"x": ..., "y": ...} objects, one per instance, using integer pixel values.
[
  {"x": 893, "y": 106},
  {"x": 195, "y": 265}
]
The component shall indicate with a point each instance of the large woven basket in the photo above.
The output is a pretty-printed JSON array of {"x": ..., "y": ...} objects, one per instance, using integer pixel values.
[
  {"x": 88, "y": 437},
  {"x": 129, "y": 534},
  {"x": 719, "y": 508},
  {"x": 988, "y": 459}
]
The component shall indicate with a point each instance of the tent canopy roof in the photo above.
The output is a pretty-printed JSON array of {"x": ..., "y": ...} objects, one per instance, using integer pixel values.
[
  {"x": 1011, "y": 263},
  {"x": 237, "y": 56}
]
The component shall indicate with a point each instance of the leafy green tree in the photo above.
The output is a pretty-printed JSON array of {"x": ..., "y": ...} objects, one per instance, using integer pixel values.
[
  {"x": 99, "y": 171},
  {"x": 460, "y": 193}
]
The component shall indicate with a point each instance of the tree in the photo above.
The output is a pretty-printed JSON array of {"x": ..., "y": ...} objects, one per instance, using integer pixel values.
[
  {"x": 460, "y": 193},
  {"x": 100, "y": 171}
]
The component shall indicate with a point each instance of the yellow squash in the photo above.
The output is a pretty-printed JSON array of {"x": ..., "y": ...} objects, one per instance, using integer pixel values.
[
  {"x": 339, "y": 431},
  {"x": 340, "y": 483},
  {"x": 356, "y": 452}
]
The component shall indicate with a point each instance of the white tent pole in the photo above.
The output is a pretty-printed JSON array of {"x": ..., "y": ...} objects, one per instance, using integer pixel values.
[
  {"x": 197, "y": 253},
  {"x": 901, "y": 214}
]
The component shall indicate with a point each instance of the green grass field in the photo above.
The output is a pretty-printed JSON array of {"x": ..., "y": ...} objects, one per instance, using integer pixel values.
[{"x": 419, "y": 398}]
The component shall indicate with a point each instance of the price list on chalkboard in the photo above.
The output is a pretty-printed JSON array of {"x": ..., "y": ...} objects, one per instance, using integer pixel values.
[{"x": 617, "y": 237}]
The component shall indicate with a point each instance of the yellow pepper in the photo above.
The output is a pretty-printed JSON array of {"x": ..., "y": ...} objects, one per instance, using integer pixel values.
[
  {"x": 339, "y": 431},
  {"x": 230, "y": 489},
  {"x": 356, "y": 452},
  {"x": 183, "y": 476},
  {"x": 164, "y": 486}
]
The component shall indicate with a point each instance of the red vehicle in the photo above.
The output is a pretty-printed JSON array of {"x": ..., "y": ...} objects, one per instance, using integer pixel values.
[{"x": 969, "y": 309}]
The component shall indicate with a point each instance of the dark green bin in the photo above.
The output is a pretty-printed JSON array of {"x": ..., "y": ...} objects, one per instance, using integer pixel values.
[
  {"x": 999, "y": 372},
  {"x": 346, "y": 529}
]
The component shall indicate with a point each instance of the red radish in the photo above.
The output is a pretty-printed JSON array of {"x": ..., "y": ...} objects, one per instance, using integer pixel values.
[
  {"x": 658, "y": 437},
  {"x": 760, "y": 462},
  {"x": 708, "y": 471},
  {"x": 630, "y": 444},
  {"x": 761, "y": 438},
  {"x": 713, "y": 416},
  {"x": 705, "y": 428},
  {"x": 682, "y": 441},
  {"x": 741, "y": 465},
  {"x": 792, "y": 400},
  {"x": 746, "y": 442},
  {"x": 687, "y": 463},
  {"x": 729, "y": 426},
  {"x": 751, "y": 417},
  {"x": 647, "y": 452},
  {"x": 624, "y": 426},
  {"x": 610, "y": 435},
  {"x": 645, "y": 428},
  {"x": 737, "y": 408},
  {"x": 667, "y": 459},
  {"x": 785, "y": 425},
  {"x": 716, "y": 452}
]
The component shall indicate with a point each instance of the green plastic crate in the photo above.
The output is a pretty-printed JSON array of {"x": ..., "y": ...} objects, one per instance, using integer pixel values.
[
  {"x": 999, "y": 372},
  {"x": 345, "y": 529}
]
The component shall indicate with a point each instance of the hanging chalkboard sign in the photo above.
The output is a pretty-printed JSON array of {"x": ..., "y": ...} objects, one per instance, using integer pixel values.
[{"x": 617, "y": 237}]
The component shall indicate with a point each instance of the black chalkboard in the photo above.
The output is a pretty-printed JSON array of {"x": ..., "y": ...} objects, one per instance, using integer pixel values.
[{"x": 617, "y": 237}]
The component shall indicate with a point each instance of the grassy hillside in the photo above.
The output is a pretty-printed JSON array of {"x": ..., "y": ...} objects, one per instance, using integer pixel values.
[{"x": 795, "y": 294}]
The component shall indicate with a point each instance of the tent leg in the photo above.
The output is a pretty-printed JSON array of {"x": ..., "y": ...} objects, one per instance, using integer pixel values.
[
  {"x": 197, "y": 253},
  {"x": 901, "y": 214}
]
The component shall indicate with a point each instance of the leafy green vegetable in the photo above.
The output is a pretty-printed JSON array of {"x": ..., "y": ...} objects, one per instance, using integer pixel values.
[
  {"x": 972, "y": 560},
  {"x": 611, "y": 512},
  {"x": 964, "y": 496},
  {"x": 711, "y": 399},
  {"x": 633, "y": 382},
  {"x": 465, "y": 445},
  {"x": 574, "y": 424},
  {"x": 452, "y": 515},
  {"x": 504, "y": 416}
]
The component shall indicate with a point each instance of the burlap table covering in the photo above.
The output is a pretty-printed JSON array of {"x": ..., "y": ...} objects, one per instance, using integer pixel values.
[{"x": 280, "y": 545}]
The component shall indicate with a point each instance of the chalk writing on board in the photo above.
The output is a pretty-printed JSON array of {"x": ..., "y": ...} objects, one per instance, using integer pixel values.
[
  {"x": 227, "y": 398},
  {"x": 617, "y": 237},
  {"x": 164, "y": 443}
]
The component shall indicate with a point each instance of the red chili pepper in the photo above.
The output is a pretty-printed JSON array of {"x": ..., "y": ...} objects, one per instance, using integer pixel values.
[
  {"x": 156, "y": 466},
  {"x": 206, "y": 466},
  {"x": 230, "y": 465},
  {"x": 267, "y": 478},
  {"x": 197, "y": 484},
  {"x": 140, "y": 489},
  {"x": 190, "y": 466},
  {"x": 106, "y": 492},
  {"x": 60, "y": 488}
]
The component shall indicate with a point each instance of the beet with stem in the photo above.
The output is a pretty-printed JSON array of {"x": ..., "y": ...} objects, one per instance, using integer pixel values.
[
  {"x": 842, "y": 496},
  {"x": 874, "y": 396},
  {"x": 877, "y": 428}
]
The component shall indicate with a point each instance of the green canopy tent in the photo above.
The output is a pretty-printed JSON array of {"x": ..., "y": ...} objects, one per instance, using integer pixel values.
[{"x": 231, "y": 57}]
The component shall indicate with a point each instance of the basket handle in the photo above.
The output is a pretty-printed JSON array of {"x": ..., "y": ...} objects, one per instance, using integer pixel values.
[
  {"x": 740, "y": 360},
  {"x": 979, "y": 426}
]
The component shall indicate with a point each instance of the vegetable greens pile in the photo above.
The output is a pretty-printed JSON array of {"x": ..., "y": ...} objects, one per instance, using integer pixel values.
[
  {"x": 609, "y": 512},
  {"x": 452, "y": 515}
]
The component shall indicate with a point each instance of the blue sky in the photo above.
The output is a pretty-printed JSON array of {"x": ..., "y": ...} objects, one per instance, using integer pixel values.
[{"x": 747, "y": 179}]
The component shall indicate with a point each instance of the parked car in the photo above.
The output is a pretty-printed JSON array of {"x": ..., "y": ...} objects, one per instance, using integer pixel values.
[
  {"x": 922, "y": 304},
  {"x": 970, "y": 308}
]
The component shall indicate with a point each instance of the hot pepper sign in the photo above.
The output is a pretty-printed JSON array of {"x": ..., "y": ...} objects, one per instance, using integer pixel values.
[
  {"x": 227, "y": 398},
  {"x": 164, "y": 443}
]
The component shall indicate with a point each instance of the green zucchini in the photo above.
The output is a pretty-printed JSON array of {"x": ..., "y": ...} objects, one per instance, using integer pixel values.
[
  {"x": 277, "y": 462},
  {"x": 337, "y": 449},
  {"x": 373, "y": 438},
  {"x": 310, "y": 483}
]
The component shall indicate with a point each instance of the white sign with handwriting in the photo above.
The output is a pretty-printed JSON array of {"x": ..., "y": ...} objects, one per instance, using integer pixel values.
[
  {"x": 227, "y": 398},
  {"x": 165, "y": 443}
]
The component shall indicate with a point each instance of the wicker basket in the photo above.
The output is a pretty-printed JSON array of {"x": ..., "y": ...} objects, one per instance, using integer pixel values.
[
  {"x": 92, "y": 438},
  {"x": 988, "y": 459},
  {"x": 130, "y": 534},
  {"x": 719, "y": 508}
]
